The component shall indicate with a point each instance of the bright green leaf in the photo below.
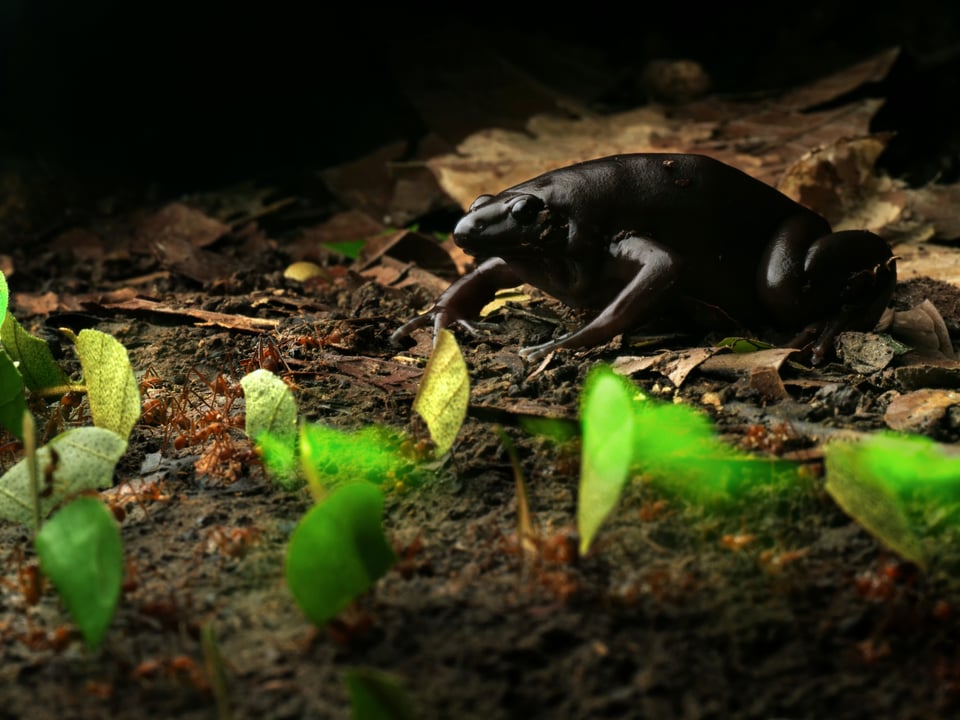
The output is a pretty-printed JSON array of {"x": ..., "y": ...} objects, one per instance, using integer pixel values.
[
  {"x": 347, "y": 248},
  {"x": 678, "y": 448},
  {"x": 607, "y": 419},
  {"x": 444, "y": 392},
  {"x": 337, "y": 551},
  {"x": 279, "y": 457},
  {"x": 74, "y": 461},
  {"x": 744, "y": 345},
  {"x": 12, "y": 402},
  {"x": 869, "y": 500},
  {"x": 556, "y": 429},
  {"x": 80, "y": 551},
  {"x": 111, "y": 384},
  {"x": 331, "y": 457},
  {"x": 36, "y": 363},
  {"x": 903, "y": 490},
  {"x": 4, "y": 295},
  {"x": 376, "y": 695}
]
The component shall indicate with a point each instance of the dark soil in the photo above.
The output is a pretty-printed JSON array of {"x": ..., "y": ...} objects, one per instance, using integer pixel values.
[{"x": 771, "y": 606}]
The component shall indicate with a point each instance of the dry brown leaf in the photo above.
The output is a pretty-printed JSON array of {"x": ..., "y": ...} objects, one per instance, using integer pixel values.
[
  {"x": 179, "y": 255},
  {"x": 408, "y": 246},
  {"x": 920, "y": 411},
  {"x": 865, "y": 353},
  {"x": 736, "y": 364},
  {"x": 80, "y": 244},
  {"x": 921, "y": 327},
  {"x": 632, "y": 364},
  {"x": 766, "y": 381},
  {"x": 29, "y": 304},
  {"x": 203, "y": 318},
  {"x": 491, "y": 160},
  {"x": 346, "y": 226},
  {"x": 916, "y": 260},
  {"x": 872, "y": 70},
  {"x": 180, "y": 222},
  {"x": 762, "y": 137},
  {"x": 937, "y": 204},
  {"x": 386, "y": 186},
  {"x": 682, "y": 363},
  {"x": 840, "y": 182}
]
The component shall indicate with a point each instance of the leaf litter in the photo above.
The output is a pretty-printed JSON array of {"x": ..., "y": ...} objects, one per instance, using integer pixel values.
[{"x": 668, "y": 603}]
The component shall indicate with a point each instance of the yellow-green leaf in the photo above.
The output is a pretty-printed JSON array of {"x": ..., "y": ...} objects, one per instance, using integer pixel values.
[
  {"x": 270, "y": 406},
  {"x": 74, "y": 461},
  {"x": 111, "y": 385},
  {"x": 271, "y": 422},
  {"x": 444, "y": 392}
]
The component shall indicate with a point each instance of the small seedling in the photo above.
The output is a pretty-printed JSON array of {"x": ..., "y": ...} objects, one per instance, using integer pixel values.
[
  {"x": 337, "y": 551},
  {"x": 673, "y": 445},
  {"x": 81, "y": 552},
  {"x": 79, "y": 548}
]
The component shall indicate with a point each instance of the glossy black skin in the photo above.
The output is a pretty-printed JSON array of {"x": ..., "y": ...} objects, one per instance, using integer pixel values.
[{"x": 637, "y": 237}]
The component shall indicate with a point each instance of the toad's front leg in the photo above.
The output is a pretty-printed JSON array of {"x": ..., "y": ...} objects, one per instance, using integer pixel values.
[
  {"x": 647, "y": 272},
  {"x": 464, "y": 299}
]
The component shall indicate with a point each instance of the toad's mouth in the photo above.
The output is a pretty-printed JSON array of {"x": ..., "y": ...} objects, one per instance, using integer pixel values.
[{"x": 551, "y": 238}]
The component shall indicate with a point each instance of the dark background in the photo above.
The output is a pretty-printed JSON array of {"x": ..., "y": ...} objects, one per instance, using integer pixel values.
[{"x": 191, "y": 95}]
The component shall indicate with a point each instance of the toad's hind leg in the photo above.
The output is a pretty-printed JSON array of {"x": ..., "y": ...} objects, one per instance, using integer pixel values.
[{"x": 826, "y": 284}]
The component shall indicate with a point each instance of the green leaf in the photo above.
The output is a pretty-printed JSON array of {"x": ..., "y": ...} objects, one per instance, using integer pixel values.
[
  {"x": 677, "y": 447},
  {"x": 376, "y": 695},
  {"x": 4, "y": 295},
  {"x": 74, "y": 461},
  {"x": 337, "y": 551},
  {"x": 444, "y": 392},
  {"x": 869, "y": 500},
  {"x": 279, "y": 458},
  {"x": 557, "y": 429},
  {"x": 331, "y": 457},
  {"x": 744, "y": 345},
  {"x": 904, "y": 490},
  {"x": 111, "y": 384},
  {"x": 607, "y": 419},
  {"x": 12, "y": 402},
  {"x": 36, "y": 363},
  {"x": 348, "y": 248},
  {"x": 81, "y": 552}
]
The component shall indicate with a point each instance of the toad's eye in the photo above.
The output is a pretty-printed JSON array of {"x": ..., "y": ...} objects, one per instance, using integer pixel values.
[
  {"x": 480, "y": 202},
  {"x": 526, "y": 209}
]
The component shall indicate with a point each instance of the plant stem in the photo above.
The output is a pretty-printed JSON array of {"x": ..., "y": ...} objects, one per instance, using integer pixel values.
[{"x": 30, "y": 450}]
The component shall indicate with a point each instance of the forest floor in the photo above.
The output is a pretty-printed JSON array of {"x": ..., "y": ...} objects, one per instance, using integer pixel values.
[{"x": 775, "y": 605}]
